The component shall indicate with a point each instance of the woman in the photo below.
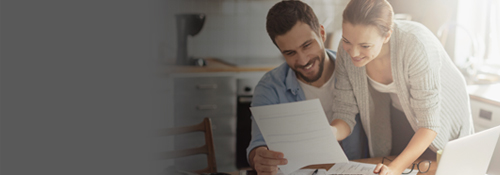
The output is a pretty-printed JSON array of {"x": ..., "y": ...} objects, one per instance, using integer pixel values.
[{"x": 397, "y": 75}]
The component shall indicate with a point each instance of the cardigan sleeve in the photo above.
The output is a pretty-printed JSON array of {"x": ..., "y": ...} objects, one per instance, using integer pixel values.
[
  {"x": 424, "y": 64},
  {"x": 344, "y": 105}
]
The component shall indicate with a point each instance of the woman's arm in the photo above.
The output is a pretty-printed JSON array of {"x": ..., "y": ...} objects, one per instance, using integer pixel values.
[
  {"x": 418, "y": 144},
  {"x": 344, "y": 106},
  {"x": 423, "y": 56},
  {"x": 340, "y": 128}
]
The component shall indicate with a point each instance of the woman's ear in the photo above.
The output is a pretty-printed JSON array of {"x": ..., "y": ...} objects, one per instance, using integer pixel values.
[
  {"x": 322, "y": 33},
  {"x": 388, "y": 36}
]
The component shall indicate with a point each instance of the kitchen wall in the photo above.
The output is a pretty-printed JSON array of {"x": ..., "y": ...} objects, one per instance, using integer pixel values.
[{"x": 234, "y": 30}]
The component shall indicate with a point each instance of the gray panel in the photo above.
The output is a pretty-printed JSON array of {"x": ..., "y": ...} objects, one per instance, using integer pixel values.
[
  {"x": 204, "y": 109},
  {"x": 204, "y": 86},
  {"x": 191, "y": 163},
  {"x": 221, "y": 126},
  {"x": 196, "y": 98},
  {"x": 190, "y": 140},
  {"x": 225, "y": 153},
  {"x": 224, "y": 146}
]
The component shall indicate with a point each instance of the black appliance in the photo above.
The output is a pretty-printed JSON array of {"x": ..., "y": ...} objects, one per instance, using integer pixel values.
[
  {"x": 188, "y": 25},
  {"x": 243, "y": 130},
  {"x": 245, "y": 88}
]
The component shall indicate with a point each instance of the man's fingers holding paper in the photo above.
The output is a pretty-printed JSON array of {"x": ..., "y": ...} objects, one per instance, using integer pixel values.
[
  {"x": 267, "y": 161},
  {"x": 266, "y": 169},
  {"x": 269, "y": 154},
  {"x": 273, "y": 161},
  {"x": 267, "y": 157}
]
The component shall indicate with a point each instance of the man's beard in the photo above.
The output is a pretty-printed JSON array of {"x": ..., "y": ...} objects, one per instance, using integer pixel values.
[{"x": 320, "y": 72}]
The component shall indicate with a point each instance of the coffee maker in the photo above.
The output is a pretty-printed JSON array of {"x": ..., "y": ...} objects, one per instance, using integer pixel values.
[{"x": 188, "y": 24}]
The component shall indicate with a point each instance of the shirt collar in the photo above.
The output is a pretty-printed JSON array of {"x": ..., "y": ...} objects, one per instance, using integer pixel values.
[{"x": 292, "y": 83}]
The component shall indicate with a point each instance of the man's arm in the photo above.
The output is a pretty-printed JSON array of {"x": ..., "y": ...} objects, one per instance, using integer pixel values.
[{"x": 260, "y": 158}]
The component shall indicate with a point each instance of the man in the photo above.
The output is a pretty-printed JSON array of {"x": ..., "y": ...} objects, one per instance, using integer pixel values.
[{"x": 307, "y": 74}]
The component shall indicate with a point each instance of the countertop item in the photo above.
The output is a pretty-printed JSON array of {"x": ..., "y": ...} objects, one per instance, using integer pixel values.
[
  {"x": 485, "y": 93},
  {"x": 216, "y": 65}
]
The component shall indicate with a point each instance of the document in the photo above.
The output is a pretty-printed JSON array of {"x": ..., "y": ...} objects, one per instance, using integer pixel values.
[
  {"x": 301, "y": 131},
  {"x": 306, "y": 172},
  {"x": 355, "y": 168}
]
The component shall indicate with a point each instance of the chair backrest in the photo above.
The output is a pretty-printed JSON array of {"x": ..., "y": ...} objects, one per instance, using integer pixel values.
[{"x": 208, "y": 148}]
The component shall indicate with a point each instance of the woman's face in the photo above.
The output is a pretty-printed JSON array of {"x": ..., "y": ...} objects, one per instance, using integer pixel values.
[{"x": 362, "y": 42}]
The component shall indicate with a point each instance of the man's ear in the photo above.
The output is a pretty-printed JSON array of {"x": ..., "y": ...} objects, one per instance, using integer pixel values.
[{"x": 388, "y": 36}]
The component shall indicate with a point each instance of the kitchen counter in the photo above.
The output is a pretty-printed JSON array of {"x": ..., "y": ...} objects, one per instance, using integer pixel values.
[
  {"x": 489, "y": 94},
  {"x": 216, "y": 65}
]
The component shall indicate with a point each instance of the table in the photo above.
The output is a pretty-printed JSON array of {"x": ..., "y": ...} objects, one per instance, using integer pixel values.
[{"x": 376, "y": 160}]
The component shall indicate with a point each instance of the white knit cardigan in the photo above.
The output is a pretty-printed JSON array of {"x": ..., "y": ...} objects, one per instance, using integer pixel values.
[{"x": 432, "y": 91}]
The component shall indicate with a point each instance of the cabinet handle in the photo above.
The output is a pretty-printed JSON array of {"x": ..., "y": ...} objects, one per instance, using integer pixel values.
[
  {"x": 484, "y": 114},
  {"x": 206, "y": 107},
  {"x": 245, "y": 99},
  {"x": 206, "y": 86}
]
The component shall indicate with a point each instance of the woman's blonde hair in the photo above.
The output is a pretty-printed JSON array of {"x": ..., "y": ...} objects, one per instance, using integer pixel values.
[{"x": 378, "y": 13}]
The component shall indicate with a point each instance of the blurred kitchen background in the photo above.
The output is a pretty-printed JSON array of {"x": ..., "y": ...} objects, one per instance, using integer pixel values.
[
  {"x": 234, "y": 47},
  {"x": 234, "y": 31}
]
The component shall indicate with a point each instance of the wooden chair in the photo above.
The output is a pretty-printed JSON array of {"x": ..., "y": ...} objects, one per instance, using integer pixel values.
[{"x": 208, "y": 148}]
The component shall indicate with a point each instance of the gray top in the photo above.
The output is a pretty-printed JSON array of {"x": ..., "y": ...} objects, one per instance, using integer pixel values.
[{"x": 432, "y": 91}]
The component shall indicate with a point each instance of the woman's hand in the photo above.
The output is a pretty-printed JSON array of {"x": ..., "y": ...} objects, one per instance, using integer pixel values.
[
  {"x": 418, "y": 143},
  {"x": 386, "y": 170}
]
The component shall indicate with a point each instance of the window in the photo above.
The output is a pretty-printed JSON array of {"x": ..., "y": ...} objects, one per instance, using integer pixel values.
[{"x": 477, "y": 40}]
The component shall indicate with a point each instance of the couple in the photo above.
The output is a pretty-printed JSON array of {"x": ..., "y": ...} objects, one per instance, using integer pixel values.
[{"x": 390, "y": 90}]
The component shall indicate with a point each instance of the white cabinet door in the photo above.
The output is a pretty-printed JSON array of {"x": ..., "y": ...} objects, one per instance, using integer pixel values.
[
  {"x": 199, "y": 97},
  {"x": 484, "y": 115}
]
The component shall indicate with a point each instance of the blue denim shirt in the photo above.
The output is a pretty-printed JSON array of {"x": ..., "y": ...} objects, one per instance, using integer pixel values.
[{"x": 280, "y": 85}]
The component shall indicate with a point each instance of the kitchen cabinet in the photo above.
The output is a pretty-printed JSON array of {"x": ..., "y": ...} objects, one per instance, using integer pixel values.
[
  {"x": 485, "y": 105},
  {"x": 484, "y": 115},
  {"x": 210, "y": 91},
  {"x": 204, "y": 96},
  {"x": 199, "y": 97},
  {"x": 193, "y": 93}
]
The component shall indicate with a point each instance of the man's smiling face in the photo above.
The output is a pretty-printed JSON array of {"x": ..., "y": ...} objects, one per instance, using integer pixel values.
[{"x": 304, "y": 51}]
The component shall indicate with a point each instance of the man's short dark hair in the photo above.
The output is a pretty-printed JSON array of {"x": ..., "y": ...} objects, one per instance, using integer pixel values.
[{"x": 285, "y": 14}]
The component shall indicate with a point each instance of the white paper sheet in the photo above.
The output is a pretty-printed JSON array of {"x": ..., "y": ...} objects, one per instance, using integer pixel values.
[
  {"x": 306, "y": 172},
  {"x": 355, "y": 168},
  {"x": 300, "y": 130}
]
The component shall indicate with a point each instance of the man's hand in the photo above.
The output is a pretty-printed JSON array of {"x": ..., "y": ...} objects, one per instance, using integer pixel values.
[{"x": 265, "y": 161}]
